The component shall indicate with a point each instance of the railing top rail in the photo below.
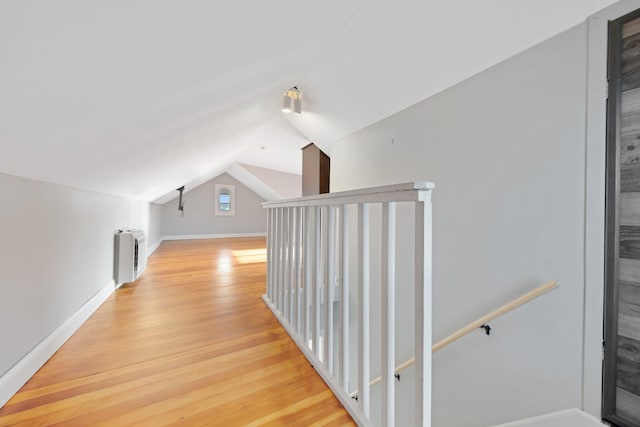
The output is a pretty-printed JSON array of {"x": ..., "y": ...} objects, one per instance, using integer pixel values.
[{"x": 410, "y": 191}]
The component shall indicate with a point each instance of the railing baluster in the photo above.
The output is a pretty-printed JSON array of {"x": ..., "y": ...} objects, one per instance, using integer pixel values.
[
  {"x": 313, "y": 282},
  {"x": 363, "y": 308},
  {"x": 325, "y": 281},
  {"x": 273, "y": 234},
  {"x": 285, "y": 267},
  {"x": 337, "y": 274},
  {"x": 278, "y": 301},
  {"x": 318, "y": 282},
  {"x": 388, "y": 312},
  {"x": 292, "y": 277},
  {"x": 344, "y": 300},
  {"x": 287, "y": 258},
  {"x": 283, "y": 288},
  {"x": 300, "y": 266},
  {"x": 308, "y": 259},
  {"x": 291, "y": 265},
  {"x": 330, "y": 283},
  {"x": 423, "y": 310},
  {"x": 295, "y": 270}
]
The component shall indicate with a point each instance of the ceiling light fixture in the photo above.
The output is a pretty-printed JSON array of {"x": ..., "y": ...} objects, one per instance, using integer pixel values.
[
  {"x": 292, "y": 101},
  {"x": 286, "y": 104}
]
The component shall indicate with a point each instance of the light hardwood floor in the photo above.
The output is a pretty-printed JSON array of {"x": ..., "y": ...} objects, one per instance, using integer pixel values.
[{"x": 190, "y": 343}]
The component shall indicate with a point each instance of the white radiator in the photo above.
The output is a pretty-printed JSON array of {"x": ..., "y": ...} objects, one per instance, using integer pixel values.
[{"x": 130, "y": 257}]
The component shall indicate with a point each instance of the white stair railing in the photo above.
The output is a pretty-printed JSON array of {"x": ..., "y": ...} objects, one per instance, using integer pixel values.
[{"x": 309, "y": 265}]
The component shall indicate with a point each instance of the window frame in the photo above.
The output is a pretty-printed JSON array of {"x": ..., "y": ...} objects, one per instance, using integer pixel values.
[{"x": 221, "y": 190}]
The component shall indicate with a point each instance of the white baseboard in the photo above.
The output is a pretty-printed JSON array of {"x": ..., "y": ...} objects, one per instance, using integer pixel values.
[
  {"x": 348, "y": 403},
  {"x": 212, "y": 236},
  {"x": 566, "y": 418},
  {"x": 22, "y": 371},
  {"x": 153, "y": 248}
]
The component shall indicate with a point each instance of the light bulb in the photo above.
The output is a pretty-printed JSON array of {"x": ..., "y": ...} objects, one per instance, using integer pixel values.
[{"x": 286, "y": 104}]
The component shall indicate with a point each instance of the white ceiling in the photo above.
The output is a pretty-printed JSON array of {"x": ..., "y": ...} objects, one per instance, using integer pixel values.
[{"x": 137, "y": 98}]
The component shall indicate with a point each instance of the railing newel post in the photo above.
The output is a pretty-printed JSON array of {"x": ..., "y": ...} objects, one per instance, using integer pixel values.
[
  {"x": 269, "y": 257},
  {"x": 422, "y": 279}
]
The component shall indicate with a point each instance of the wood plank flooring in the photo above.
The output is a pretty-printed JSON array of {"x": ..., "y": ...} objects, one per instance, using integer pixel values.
[{"x": 190, "y": 343}]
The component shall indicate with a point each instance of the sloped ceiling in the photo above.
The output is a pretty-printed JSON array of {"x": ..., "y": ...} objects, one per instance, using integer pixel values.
[{"x": 137, "y": 98}]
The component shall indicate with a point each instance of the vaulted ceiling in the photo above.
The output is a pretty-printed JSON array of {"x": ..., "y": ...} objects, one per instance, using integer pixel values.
[{"x": 137, "y": 98}]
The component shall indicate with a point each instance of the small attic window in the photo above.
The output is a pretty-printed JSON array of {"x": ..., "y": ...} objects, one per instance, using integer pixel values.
[{"x": 225, "y": 199}]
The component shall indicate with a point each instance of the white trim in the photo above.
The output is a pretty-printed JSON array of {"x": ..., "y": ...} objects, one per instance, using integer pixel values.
[
  {"x": 212, "y": 236},
  {"x": 595, "y": 178},
  {"x": 253, "y": 183},
  {"x": 407, "y": 192},
  {"x": 155, "y": 246},
  {"x": 191, "y": 185},
  {"x": 573, "y": 416},
  {"x": 230, "y": 190},
  {"x": 22, "y": 371}
]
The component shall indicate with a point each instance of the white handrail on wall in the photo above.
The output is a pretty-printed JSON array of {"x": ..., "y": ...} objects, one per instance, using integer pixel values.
[{"x": 308, "y": 242}]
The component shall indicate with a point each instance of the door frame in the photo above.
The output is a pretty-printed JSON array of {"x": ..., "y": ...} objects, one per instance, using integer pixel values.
[
  {"x": 612, "y": 218},
  {"x": 595, "y": 178}
]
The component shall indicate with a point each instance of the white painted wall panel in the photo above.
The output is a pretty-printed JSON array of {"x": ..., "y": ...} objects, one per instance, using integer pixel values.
[
  {"x": 199, "y": 211},
  {"x": 56, "y": 252},
  {"x": 155, "y": 224},
  {"x": 289, "y": 185},
  {"x": 506, "y": 150}
]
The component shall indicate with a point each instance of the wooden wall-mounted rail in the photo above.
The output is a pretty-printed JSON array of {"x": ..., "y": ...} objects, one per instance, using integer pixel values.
[
  {"x": 540, "y": 290},
  {"x": 535, "y": 293}
]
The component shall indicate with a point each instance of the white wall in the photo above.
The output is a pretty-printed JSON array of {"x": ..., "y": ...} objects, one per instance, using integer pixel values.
[
  {"x": 506, "y": 150},
  {"x": 56, "y": 252},
  {"x": 155, "y": 224},
  {"x": 199, "y": 212},
  {"x": 289, "y": 185}
]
